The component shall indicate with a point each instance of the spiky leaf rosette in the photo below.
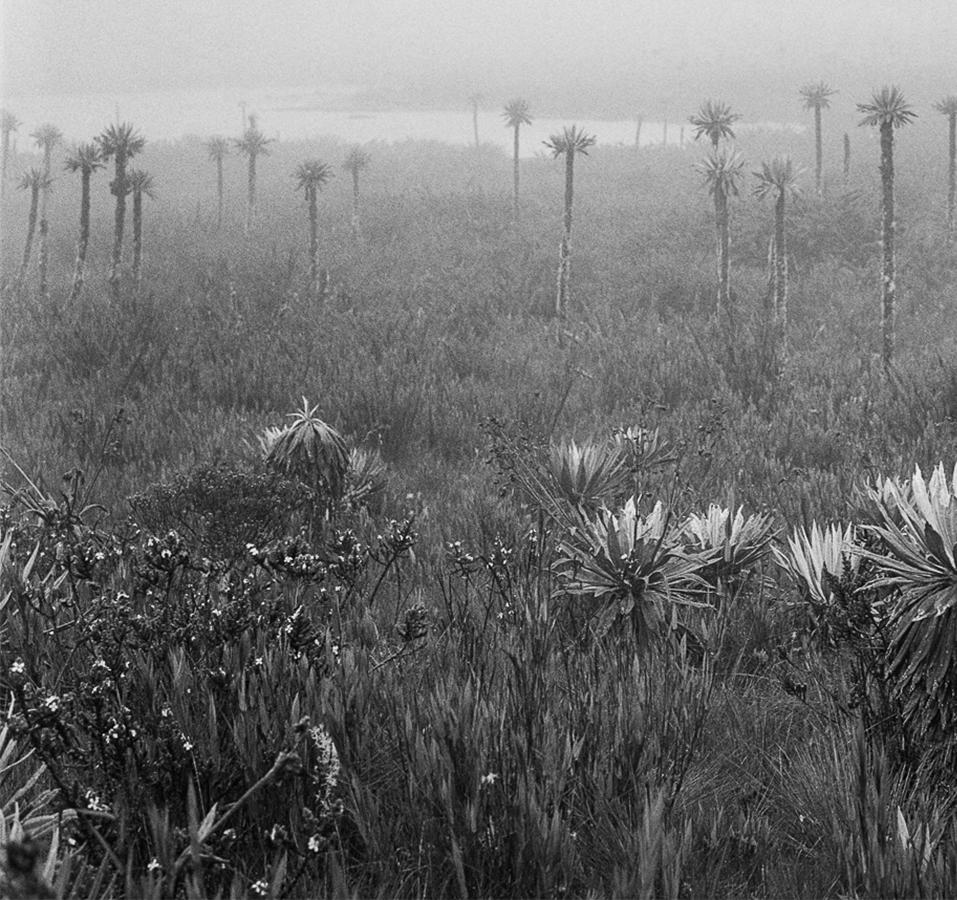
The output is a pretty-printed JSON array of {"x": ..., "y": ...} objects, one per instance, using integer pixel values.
[
  {"x": 309, "y": 449},
  {"x": 714, "y": 120},
  {"x": 814, "y": 558},
  {"x": 634, "y": 566},
  {"x": 739, "y": 543},
  {"x": 919, "y": 533},
  {"x": 587, "y": 475},
  {"x": 365, "y": 477}
]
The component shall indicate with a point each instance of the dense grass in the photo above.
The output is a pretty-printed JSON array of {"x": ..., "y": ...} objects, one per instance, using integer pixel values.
[{"x": 484, "y": 741}]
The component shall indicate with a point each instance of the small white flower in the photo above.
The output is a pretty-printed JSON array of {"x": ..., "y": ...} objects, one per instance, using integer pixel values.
[
  {"x": 260, "y": 888},
  {"x": 490, "y": 778},
  {"x": 153, "y": 865},
  {"x": 315, "y": 843}
]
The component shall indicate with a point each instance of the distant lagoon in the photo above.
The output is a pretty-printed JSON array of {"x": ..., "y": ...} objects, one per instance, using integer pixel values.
[{"x": 299, "y": 114}]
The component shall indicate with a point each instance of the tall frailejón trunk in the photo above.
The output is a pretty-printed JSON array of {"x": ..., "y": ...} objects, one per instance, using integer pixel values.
[
  {"x": 43, "y": 249},
  {"x": 219, "y": 192},
  {"x": 515, "y": 173},
  {"x": 951, "y": 176},
  {"x": 723, "y": 235},
  {"x": 847, "y": 156},
  {"x": 780, "y": 311},
  {"x": 888, "y": 288},
  {"x": 565, "y": 249},
  {"x": 119, "y": 221},
  {"x": 137, "y": 238},
  {"x": 356, "y": 224},
  {"x": 638, "y": 125},
  {"x": 313, "y": 244},
  {"x": 5, "y": 151},
  {"x": 84, "y": 238},
  {"x": 31, "y": 230},
  {"x": 818, "y": 152},
  {"x": 251, "y": 192},
  {"x": 475, "y": 122}
]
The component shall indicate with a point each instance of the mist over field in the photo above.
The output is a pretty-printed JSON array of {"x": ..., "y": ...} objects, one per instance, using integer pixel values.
[{"x": 478, "y": 449}]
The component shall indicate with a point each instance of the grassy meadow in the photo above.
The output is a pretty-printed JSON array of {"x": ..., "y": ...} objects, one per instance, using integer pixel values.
[{"x": 460, "y": 651}]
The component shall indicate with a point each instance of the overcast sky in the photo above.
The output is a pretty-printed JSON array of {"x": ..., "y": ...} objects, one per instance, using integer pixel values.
[{"x": 56, "y": 46}]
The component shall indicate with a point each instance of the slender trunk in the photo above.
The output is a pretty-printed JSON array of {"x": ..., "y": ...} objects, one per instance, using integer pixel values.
[
  {"x": 137, "y": 238},
  {"x": 638, "y": 132},
  {"x": 219, "y": 192},
  {"x": 475, "y": 122},
  {"x": 84, "y": 239},
  {"x": 723, "y": 234},
  {"x": 847, "y": 156},
  {"x": 664, "y": 134},
  {"x": 43, "y": 254},
  {"x": 952, "y": 177},
  {"x": 681, "y": 138},
  {"x": 119, "y": 220},
  {"x": 356, "y": 224},
  {"x": 780, "y": 314},
  {"x": 313, "y": 244},
  {"x": 818, "y": 152},
  {"x": 3, "y": 162},
  {"x": 43, "y": 250},
  {"x": 888, "y": 288},
  {"x": 31, "y": 229},
  {"x": 515, "y": 175},
  {"x": 251, "y": 192},
  {"x": 565, "y": 249}
]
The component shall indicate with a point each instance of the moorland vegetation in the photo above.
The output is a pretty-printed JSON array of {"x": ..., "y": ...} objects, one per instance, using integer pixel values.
[{"x": 365, "y": 546}]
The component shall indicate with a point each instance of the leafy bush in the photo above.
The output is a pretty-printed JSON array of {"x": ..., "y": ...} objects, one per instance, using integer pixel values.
[{"x": 220, "y": 509}]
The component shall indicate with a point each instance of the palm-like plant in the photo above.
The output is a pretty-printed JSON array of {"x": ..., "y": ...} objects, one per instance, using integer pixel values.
[
  {"x": 738, "y": 543},
  {"x": 46, "y": 137},
  {"x": 218, "y": 150},
  {"x": 825, "y": 566},
  {"x": 516, "y": 115},
  {"x": 813, "y": 559},
  {"x": 634, "y": 566},
  {"x": 141, "y": 185},
  {"x": 570, "y": 142},
  {"x": 310, "y": 176},
  {"x": 252, "y": 145},
  {"x": 778, "y": 180},
  {"x": 86, "y": 160},
  {"x": 919, "y": 535},
  {"x": 817, "y": 96},
  {"x": 722, "y": 172},
  {"x": 357, "y": 161},
  {"x": 120, "y": 142},
  {"x": 887, "y": 110},
  {"x": 9, "y": 123},
  {"x": 948, "y": 107},
  {"x": 32, "y": 181},
  {"x": 475, "y": 101},
  {"x": 588, "y": 475},
  {"x": 715, "y": 120},
  {"x": 310, "y": 450}
]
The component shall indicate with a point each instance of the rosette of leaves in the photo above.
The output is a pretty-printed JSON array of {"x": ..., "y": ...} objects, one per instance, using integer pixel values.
[
  {"x": 587, "y": 475},
  {"x": 738, "y": 543},
  {"x": 311, "y": 450},
  {"x": 919, "y": 559},
  {"x": 828, "y": 566},
  {"x": 634, "y": 566},
  {"x": 365, "y": 477},
  {"x": 645, "y": 449},
  {"x": 814, "y": 558}
]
